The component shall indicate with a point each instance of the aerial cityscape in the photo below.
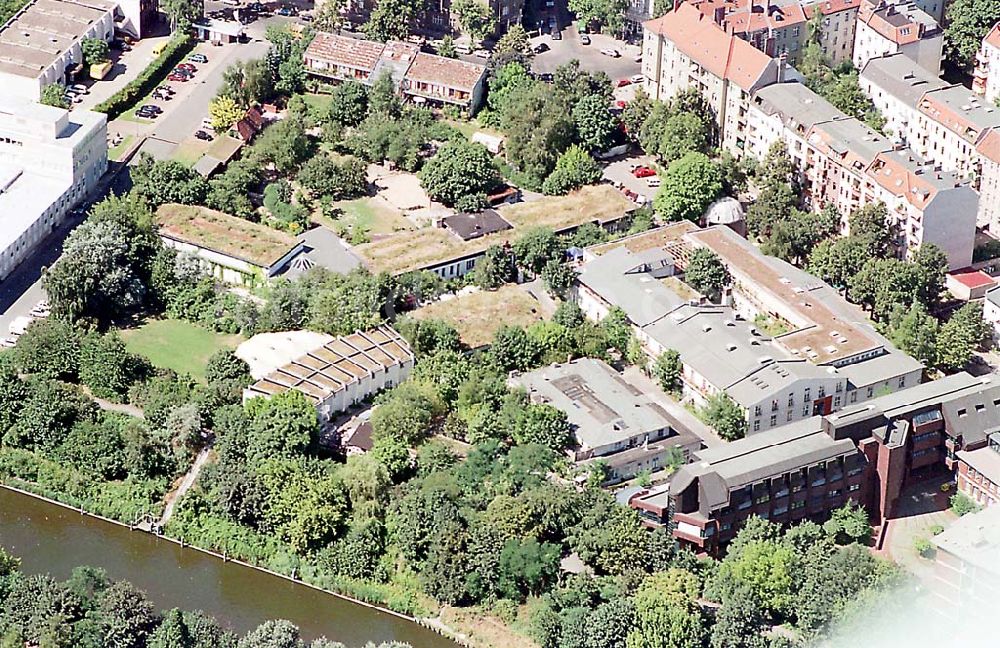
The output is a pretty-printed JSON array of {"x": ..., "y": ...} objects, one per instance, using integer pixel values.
[{"x": 499, "y": 323}]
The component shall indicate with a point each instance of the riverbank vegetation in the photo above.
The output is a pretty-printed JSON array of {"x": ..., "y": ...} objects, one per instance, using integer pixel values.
[{"x": 89, "y": 610}]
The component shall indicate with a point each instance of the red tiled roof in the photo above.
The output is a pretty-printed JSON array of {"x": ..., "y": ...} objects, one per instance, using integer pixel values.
[
  {"x": 351, "y": 52},
  {"x": 993, "y": 38},
  {"x": 989, "y": 146},
  {"x": 746, "y": 16},
  {"x": 907, "y": 31},
  {"x": 828, "y": 7},
  {"x": 723, "y": 54},
  {"x": 445, "y": 71},
  {"x": 900, "y": 181},
  {"x": 972, "y": 278}
]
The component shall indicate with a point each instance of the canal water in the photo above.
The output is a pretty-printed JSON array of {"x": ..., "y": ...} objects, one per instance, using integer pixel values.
[{"x": 52, "y": 539}]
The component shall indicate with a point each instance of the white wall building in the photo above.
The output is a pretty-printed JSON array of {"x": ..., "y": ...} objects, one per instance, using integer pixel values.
[
  {"x": 986, "y": 80},
  {"x": 335, "y": 375},
  {"x": 687, "y": 49},
  {"x": 837, "y": 27},
  {"x": 897, "y": 26},
  {"x": 50, "y": 159}
]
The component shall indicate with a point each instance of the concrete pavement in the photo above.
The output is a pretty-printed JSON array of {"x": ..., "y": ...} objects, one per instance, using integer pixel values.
[
  {"x": 635, "y": 376},
  {"x": 590, "y": 57}
]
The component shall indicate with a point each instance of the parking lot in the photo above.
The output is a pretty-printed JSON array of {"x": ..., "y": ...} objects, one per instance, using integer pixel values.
[
  {"x": 590, "y": 57},
  {"x": 619, "y": 173}
]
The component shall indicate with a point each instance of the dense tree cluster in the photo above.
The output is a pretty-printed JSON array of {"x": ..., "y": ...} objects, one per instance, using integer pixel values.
[
  {"x": 967, "y": 22},
  {"x": 90, "y": 609}
]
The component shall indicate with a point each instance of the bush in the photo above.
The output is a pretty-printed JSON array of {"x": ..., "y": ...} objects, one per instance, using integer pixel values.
[
  {"x": 923, "y": 547},
  {"x": 937, "y": 529},
  {"x": 962, "y": 504},
  {"x": 154, "y": 73}
]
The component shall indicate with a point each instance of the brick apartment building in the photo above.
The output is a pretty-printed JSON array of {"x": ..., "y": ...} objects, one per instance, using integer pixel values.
[
  {"x": 867, "y": 454},
  {"x": 897, "y": 26}
]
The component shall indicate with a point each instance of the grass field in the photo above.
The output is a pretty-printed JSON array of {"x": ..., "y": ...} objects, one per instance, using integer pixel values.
[
  {"x": 477, "y": 316},
  {"x": 178, "y": 345},
  {"x": 116, "y": 152}
]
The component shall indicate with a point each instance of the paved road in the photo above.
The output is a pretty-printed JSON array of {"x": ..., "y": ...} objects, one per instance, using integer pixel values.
[{"x": 590, "y": 57}]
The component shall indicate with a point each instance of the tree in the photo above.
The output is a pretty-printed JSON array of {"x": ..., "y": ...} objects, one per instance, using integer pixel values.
[
  {"x": 323, "y": 177},
  {"x": 54, "y": 95},
  {"x": 280, "y": 426},
  {"x": 106, "y": 366},
  {"x": 882, "y": 284},
  {"x": 537, "y": 247},
  {"x": 495, "y": 268},
  {"x": 405, "y": 413},
  {"x": 966, "y": 24},
  {"x": 284, "y": 144},
  {"x": 272, "y": 634},
  {"x": 608, "y": 625},
  {"x": 538, "y": 130},
  {"x": 723, "y": 414},
  {"x": 601, "y": 13},
  {"x": 933, "y": 265},
  {"x": 667, "y": 370},
  {"x": 49, "y": 348},
  {"x": 871, "y": 225},
  {"x": 667, "y": 613},
  {"x": 513, "y": 349},
  {"x": 166, "y": 181},
  {"x": 460, "y": 168},
  {"x": 95, "y": 51},
  {"x": 224, "y": 112},
  {"x": 475, "y": 17},
  {"x": 683, "y": 133},
  {"x": 182, "y": 13},
  {"x": 706, "y": 273},
  {"x": 914, "y": 331},
  {"x": 690, "y": 184},
  {"x": 348, "y": 103},
  {"x": 574, "y": 169},
  {"x": 127, "y": 617},
  {"x": 229, "y": 190},
  {"x": 558, "y": 278},
  {"x": 848, "y": 524},
  {"x": 544, "y": 425},
  {"x": 329, "y": 17},
  {"x": 959, "y": 336},
  {"x": 635, "y": 113},
  {"x": 739, "y": 622},
  {"x": 838, "y": 260},
  {"x": 594, "y": 124},
  {"x": 512, "y": 46},
  {"x": 527, "y": 567},
  {"x": 390, "y": 20},
  {"x": 446, "y": 47},
  {"x": 506, "y": 81}
]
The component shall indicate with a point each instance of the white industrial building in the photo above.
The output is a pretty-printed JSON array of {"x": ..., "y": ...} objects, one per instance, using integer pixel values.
[
  {"x": 333, "y": 373},
  {"x": 49, "y": 160}
]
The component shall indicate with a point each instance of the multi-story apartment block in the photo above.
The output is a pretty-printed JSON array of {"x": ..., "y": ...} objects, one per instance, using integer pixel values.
[
  {"x": 637, "y": 12},
  {"x": 989, "y": 180},
  {"x": 967, "y": 569},
  {"x": 986, "y": 80},
  {"x": 838, "y": 24},
  {"x": 896, "y": 84},
  {"x": 979, "y": 471},
  {"x": 843, "y": 162},
  {"x": 775, "y": 27},
  {"x": 897, "y": 26},
  {"x": 50, "y": 159},
  {"x": 418, "y": 76},
  {"x": 687, "y": 49},
  {"x": 436, "y": 18},
  {"x": 866, "y": 453}
]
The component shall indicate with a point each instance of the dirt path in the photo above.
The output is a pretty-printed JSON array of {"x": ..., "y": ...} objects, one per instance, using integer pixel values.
[{"x": 186, "y": 483}]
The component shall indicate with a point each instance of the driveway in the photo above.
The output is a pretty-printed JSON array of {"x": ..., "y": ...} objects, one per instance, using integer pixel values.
[
  {"x": 635, "y": 376},
  {"x": 590, "y": 57},
  {"x": 619, "y": 173},
  {"x": 127, "y": 66}
]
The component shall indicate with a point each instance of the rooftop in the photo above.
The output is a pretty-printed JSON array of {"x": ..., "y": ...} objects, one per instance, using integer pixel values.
[
  {"x": 344, "y": 50},
  {"x": 984, "y": 460},
  {"x": 429, "y": 68},
  {"x": 823, "y": 333},
  {"x": 850, "y": 142},
  {"x": 470, "y": 226},
  {"x": 827, "y": 7},
  {"x": 213, "y": 230},
  {"x": 322, "y": 247},
  {"x": 798, "y": 107},
  {"x": 24, "y": 197},
  {"x": 961, "y": 111},
  {"x": 265, "y": 352},
  {"x": 904, "y": 174},
  {"x": 879, "y": 369},
  {"x": 325, "y": 370},
  {"x": 477, "y": 315},
  {"x": 989, "y": 146},
  {"x": 623, "y": 278},
  {"x": 747, "y": 16},
  {"x": 902, "y": 77},
  {"x": 974, "y": 539},
  {"x": 972, "y": 278},
  {"x": 35, "y": 37},
  {"x": 721, "y": 53},
  {"x": 602, "y": 408}
]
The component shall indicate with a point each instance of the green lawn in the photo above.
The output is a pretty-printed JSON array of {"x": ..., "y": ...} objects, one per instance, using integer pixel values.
[
  {"x": 116, "y": 152},
  {"x": 178, "y": 345}
]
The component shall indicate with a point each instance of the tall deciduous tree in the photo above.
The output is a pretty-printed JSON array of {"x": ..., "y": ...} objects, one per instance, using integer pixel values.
[
  {"x": 706, "y": 273},
  {"x": 723, "y": 414},
  {"x": 966, "y": 24},
  {"x": 690, "y": 184},
  {"x": 460, "y": 168},
  {"x": 574, "y": 169},
  {"x": 667, "y": 613}
]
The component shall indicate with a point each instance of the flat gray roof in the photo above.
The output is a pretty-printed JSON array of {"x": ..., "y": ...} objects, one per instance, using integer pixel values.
[
  {"x": 902, "y": 77},
  {"x": 975, "y": 539},
  {"x": 853, "y": 135},
  {"x": 617, "y": 277},
  {"x": 602, "y": 407},
  {"x": 879, "y": 369},
  {"x": 39, "y": 34},
  {"x": 799, "y": 107},
  {"x": 984, "y": 460}
]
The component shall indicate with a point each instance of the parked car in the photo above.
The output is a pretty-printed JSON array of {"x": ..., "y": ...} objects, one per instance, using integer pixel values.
[
  {"x": 203, "y": 135},
  {"x": 198, "y": 58},
  {"x": 284, "y": 11},
  {"x": 152, "y": 108},
  {"x": 177, "y": 77},
  {"x": 187, "y": 66},
  {"x": 613, "y": 53},
  {"x": 541, "y": 47},
  {"x": 556, "y": 34},
  {"x": 483, "y": 54},
  {"x": 584, "y": 39},
  {"x": 145, "y": 114},
  {"x": 623, "y": 82},
  {"x": 546, "y": 77},
  {"x": 653, "y": 181},
  {"x": 638, "y": 58},
  {"x": 643, "y": 172},
  {"x": 637, "y": 78},
  {"x": 79, "y": 88},
  {"x": 161, "y": 96}
]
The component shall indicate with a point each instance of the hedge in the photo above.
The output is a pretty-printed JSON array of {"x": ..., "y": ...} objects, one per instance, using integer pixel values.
[{"x": 155, "y": 72}]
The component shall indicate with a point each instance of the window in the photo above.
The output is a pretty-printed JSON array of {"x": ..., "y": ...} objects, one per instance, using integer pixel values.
[
  {"x": 797, "y": 505},
  {"x": 836, "y": 401},
  {"x": 805, "y": 410},
  {"x": 808, "y": 391},
  {"x": 821, "y": 392},
  {"x": 902, "y": 382},
  {"x": 788, "y": 415},
  {"x": 854, "y": 396},
  {"x": 774, "y": 420},
  {"x": 762, "y": 499},
  {"x": 871, "y": 390},
  {"x": 774, "y": 406},
  {"x": 791, "y": 400},
  {"x": 756, "y": 410},
  {"x": 834, "y": 493},
  {"x": 756, "y": 425},
  {"x": 853, "y": 488}
]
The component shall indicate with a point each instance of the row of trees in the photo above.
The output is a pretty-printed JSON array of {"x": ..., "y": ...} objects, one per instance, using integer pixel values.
[{"x": 90, "y": 609}]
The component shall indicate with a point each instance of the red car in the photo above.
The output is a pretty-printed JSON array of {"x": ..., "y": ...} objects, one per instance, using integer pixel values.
[
  {"x": 177, "y": 77},
  {"x": 186, "y": 66},
  {"x": 643, "y": 172},
  {"x": 624, "y": 82}
]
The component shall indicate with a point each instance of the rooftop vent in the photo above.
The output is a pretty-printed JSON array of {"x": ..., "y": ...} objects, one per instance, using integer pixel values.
[
  {"x": 730, "y": 347},
  {"x": 706, "y": 328}
]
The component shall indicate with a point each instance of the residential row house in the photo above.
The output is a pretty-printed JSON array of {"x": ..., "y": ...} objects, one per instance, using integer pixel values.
[
  {"x": 887, "y": 27},
  {"x": 775, "y": 27},
  {"x": 844, "y": 163},
  {"x": 867, "y": 454},
  {"x": 949, "y": 127},
  {"x": 418, "y": 76},
  {"x": 986, "y": 79},
  {"x": 825, "y": 358},
  {"x": 838, "y": 25},
  {"x": 688, "y": 49}
]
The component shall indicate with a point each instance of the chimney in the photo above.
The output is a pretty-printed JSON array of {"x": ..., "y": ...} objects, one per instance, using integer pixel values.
[
  {"x": 720, "y": 16},
  {"x": 782, "y": 65}
]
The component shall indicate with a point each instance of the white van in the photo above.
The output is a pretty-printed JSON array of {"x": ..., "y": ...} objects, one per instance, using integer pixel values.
[{"x": 19, "y": 325}]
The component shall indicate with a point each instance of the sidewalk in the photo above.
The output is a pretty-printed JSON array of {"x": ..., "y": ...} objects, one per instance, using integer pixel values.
[{"x": 635, "y": 376}]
